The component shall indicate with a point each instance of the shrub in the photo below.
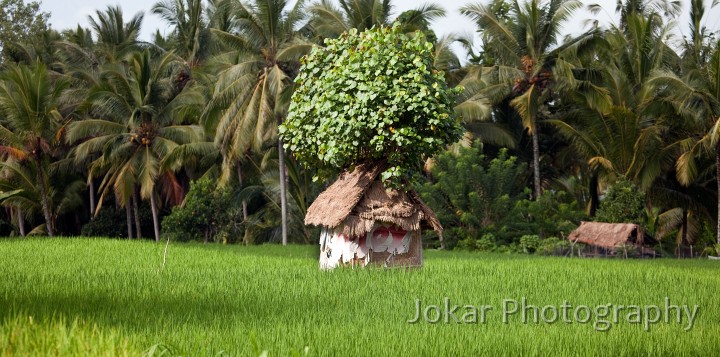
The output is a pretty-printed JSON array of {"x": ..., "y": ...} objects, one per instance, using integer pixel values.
[
  {"x": 713, "y": 250},
  {"x": 466, "y": 244},
  {"x": 623, "y": 203},
  {"x": 529, "y": 243},
  {"x": 206, "y": 211},
  {"x": 512, "y": 248},
  {"x": 471, "y": 193},
  {"x": 553, "y": 246},
  {"x": 554, "y": 213},
  {"x": 486, "y": 243},
  {"x": 112, "y": 222}
]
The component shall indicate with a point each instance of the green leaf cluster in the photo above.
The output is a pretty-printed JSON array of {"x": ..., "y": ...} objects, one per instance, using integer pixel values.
[
  {"x": 623, "y": 203},
  {"x": 472, "y": 193},
  {"x": 111, "y": 222},
  {"x": 371, "y": 96},
  {"x": 204, "y": 213},
  {"x": 475, "y": 194}
]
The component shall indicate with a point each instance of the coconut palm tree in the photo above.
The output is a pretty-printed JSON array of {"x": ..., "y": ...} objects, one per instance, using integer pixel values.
[
  {"x": 525, "y": 44},
  {"x": 81, "y": 63},
  {"x": 612, "y": 118},
  {"x": 137, "y": 129},
  {"x": 19, "y": 191},
  {"x": 83, "y": 60},
  {"x": 190, "y": 37},
  {"x": 252, "y": 90},
  {"x": 696, "y": 97},
  {"x": 115, "y": 37},
  {"x": 329, "y": 20},
  {"x": 31, "y": 124},
  {"x": 475, "y": 106},
  {"x": 645, "y": 8}
]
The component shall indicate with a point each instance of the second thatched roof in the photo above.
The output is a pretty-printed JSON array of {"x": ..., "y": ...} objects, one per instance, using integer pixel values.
[
  {"x": 608, "y": 235},
  {"x": 357, "y": 201}
]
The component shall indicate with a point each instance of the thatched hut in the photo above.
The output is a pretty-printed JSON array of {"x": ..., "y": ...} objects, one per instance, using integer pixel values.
[
  {"x": 365, "y": 223},
  {"x": 609, "y": 238}
]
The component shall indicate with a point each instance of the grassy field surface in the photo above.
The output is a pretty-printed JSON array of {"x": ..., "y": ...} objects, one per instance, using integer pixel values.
[{"x": 109, "y": 297}]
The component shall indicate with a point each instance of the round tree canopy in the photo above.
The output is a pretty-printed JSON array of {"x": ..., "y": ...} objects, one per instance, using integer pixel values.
[{"x": 371, "y": 96}]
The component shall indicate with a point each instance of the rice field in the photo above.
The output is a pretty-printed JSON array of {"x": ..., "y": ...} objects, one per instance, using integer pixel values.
[{"x": 110, "y": 297}]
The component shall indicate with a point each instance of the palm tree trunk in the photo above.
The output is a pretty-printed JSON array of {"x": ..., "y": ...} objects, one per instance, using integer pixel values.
[
  {"x": 246, "y": 236},
  {"x": 594, "y": 194},
  {"x": 283, "y": 190},
  {"x": 136, "y": 203},
  {"x": 44, "y": 198},
  {"x": 91, "y": 189},
  {"x": 156, "y": 222},
  {"x": 128, "y": 216},
  {"x": 717, "y": 178},
  {"x": 684, "y": 239},
  {"x": 536, "y": 162},
  {"x": 21, "y": 221}
]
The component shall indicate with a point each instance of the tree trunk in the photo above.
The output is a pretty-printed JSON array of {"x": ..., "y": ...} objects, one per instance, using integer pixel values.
[
  {"x": 91, "y": 189},
  {"x": 684, "y": 239},
  {"x": 283, "y": 190},
  {"x": 21, "y": 221},
  {"x": 136, "y": 204},
  {"x": 717, "y": 178},
  {"x": 78, "y": 222},
  {"x": 594, "y": 194},
  {"x": 128, "y": 216},
  {"x": 683, "y": 234},
  {"x": 44, "y": 199},
  {"x": 536, "y": 162},
  {"x": 156, "y": 223},
  {"x": 246, "y": 236}
]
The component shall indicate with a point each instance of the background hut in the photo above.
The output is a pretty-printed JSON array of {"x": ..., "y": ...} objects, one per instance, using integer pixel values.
[
  {"x": 609, "y": 238},
  {"x": 364, "y": 223}
]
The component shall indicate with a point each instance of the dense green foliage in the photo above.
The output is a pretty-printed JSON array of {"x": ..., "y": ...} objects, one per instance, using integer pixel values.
[
  {"x": 206, "y": 215},
  {"x": 20, "y": 24},
  {"x": 552, "y": 214},
  {"x": 623, "y": 203},
  {"x": 470, "y": 192},
  {"x": 369, "y": 96},
  {"x": 111, "y": 222},
  {"x": 120, "y": 123},
  {"x": 108, "y": 297},
  {"x": 474, "y": 195}
]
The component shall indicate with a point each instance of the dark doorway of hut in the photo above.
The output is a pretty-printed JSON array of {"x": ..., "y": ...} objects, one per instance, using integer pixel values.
[{"x": 365, "y": 224}]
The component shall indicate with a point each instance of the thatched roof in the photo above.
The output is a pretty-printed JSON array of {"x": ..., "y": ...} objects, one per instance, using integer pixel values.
[
  {"x": 607, "y": 235},
  {"x": 357, "y": 200}
]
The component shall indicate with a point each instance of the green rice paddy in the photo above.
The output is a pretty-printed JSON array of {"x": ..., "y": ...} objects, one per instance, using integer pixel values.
[{"x": 110, "y": 297}]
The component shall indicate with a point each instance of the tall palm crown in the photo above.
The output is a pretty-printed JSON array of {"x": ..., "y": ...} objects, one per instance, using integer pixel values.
[
  {"x": 251, "y": 94},
  {"x": 696, "y": 96},
  {"x": 137, "y": 129},
  {"x": 628, "y": 8},
  {"x": 615, "y": 122},
  {"x": 115, "y": 37},
  {"x": 248, "y": 102},
  {"x": 525, "y": 46},
  {"x": 82, "y": 61},
  {"x": 329, "y": 20},
  {"x": 191, "y": 35},
  {"x": 31, "y": 123}
]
